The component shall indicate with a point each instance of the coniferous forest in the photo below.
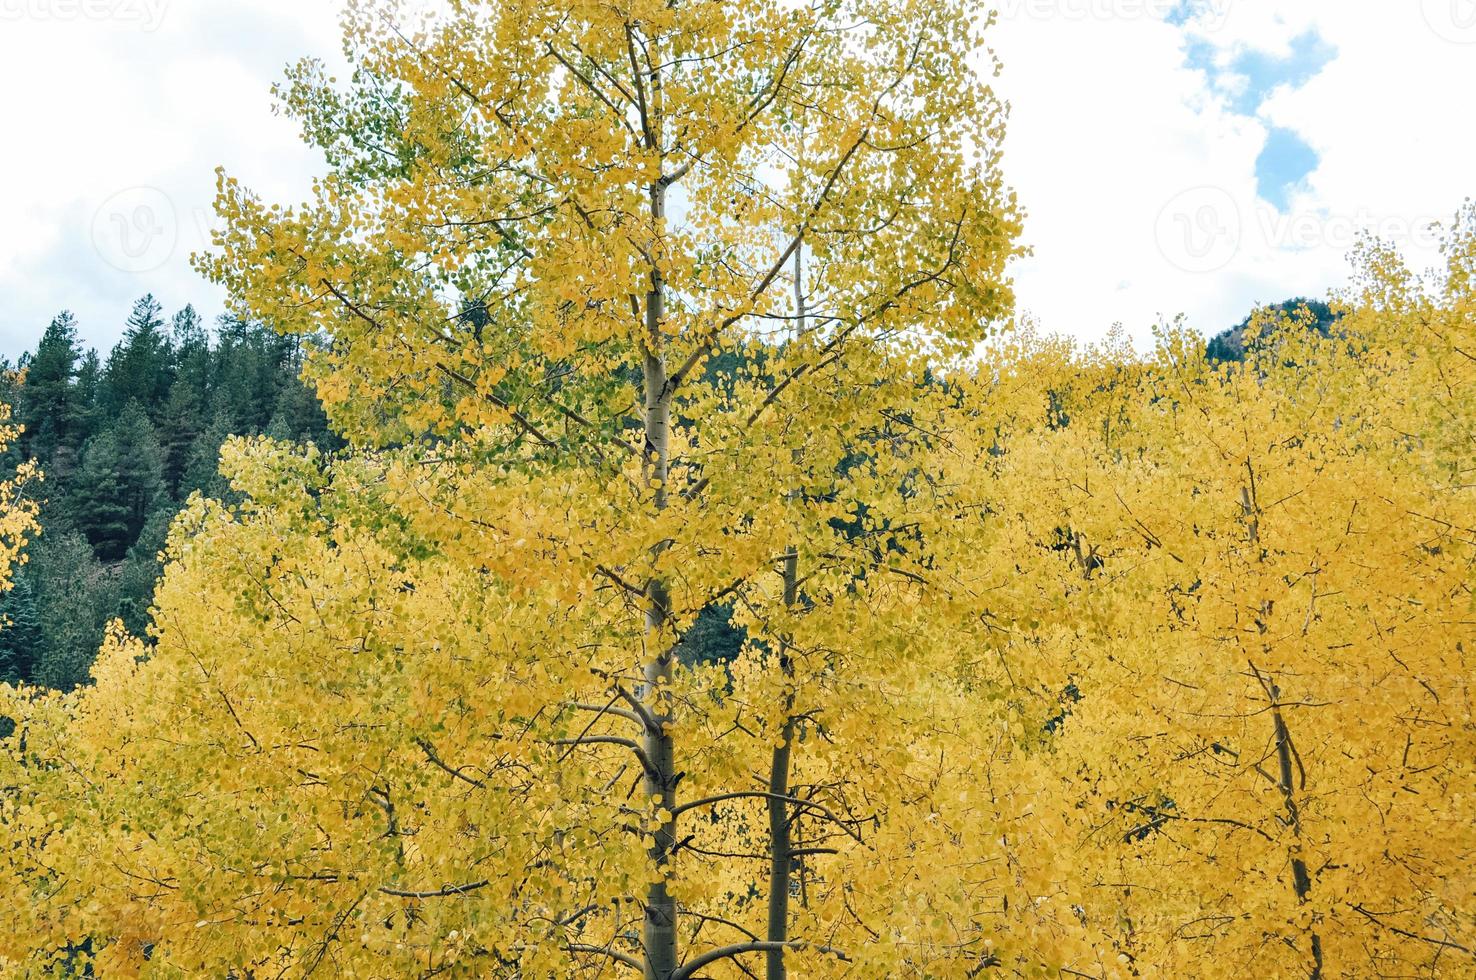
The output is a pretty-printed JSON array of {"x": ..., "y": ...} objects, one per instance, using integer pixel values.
[
  {"x": 627, "y": 528},
  {"x": 122, "y": 440}
]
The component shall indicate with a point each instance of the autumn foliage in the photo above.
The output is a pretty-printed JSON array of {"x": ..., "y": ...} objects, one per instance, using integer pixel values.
[{"x": 1058, "y": 661}]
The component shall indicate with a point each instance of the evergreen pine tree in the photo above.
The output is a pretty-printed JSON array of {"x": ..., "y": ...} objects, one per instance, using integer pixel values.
[
  {"x": 202, "y": 471},
  {"x": 85, "y": 396},
  {"x": 183, "y": 415},
  {"x": 119, "y": 483},
  {"x": 141, "y": 568},
  {"x": 180, "y": 423},
  {"x": 47, "y": 406},
  {"x": 75, "y": 595},
  {"x": 187, "y": 332},
  {"x": 236, "y": 367},
  {"x": 94, "y": 500},
  {"x": 21, "y": 637},
  {"x": 298, "y": 416},
  {"x": 194, "y": 360},
  {"x": 712, "y": 639},
  {"x": 139, "y": 367}
]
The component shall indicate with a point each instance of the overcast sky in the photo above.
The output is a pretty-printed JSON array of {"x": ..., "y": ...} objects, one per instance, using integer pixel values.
[{"x": 1175, "y": 156}]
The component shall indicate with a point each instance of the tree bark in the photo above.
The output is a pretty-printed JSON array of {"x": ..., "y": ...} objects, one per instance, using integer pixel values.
[
  {"x": 661, "y": 953},
  {"x": 780, "y": 860},
  {"x": 1301, "y": 880}
]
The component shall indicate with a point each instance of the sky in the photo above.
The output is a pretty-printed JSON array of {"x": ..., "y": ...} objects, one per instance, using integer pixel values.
[{"x": 1175, "y": 157}]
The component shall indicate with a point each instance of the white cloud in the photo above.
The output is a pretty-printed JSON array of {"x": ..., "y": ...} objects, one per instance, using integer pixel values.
[
  {"x": 118, "y": 112},
  {"x": 1110, "y": 127}
]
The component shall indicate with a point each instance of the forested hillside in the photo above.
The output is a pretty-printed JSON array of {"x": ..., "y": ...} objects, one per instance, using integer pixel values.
[
  {"x": 122, "y": 441},
  {"x": 1235, "y": 343}
]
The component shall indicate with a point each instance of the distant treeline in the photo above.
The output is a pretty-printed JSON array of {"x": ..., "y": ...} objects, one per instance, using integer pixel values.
[{"x": 123, "y": 441}]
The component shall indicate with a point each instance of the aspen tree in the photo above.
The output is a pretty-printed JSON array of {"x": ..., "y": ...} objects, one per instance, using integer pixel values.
[{"x": 427, "y": 698}]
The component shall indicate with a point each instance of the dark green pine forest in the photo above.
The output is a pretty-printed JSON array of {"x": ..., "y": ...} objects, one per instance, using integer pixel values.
[{"x": 123, "y": 440}]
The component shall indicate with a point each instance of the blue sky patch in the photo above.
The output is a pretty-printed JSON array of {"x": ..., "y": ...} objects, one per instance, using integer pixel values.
[
  {"x": 1259, "y": 73},
  {"x": 1245, "y": 79},
  {"x": 1248, "y": 76},
  {"x": 1283, "y": 166}
]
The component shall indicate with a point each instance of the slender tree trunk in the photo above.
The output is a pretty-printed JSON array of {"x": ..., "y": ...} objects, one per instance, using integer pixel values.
[
  {"x": 660, "y": 934},
  {"x": 660, "y": 787},
  {"x": 799, "y": 289},
  {"x": 1301, "y": 880},
  {"x": 780, "y": 843}
]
